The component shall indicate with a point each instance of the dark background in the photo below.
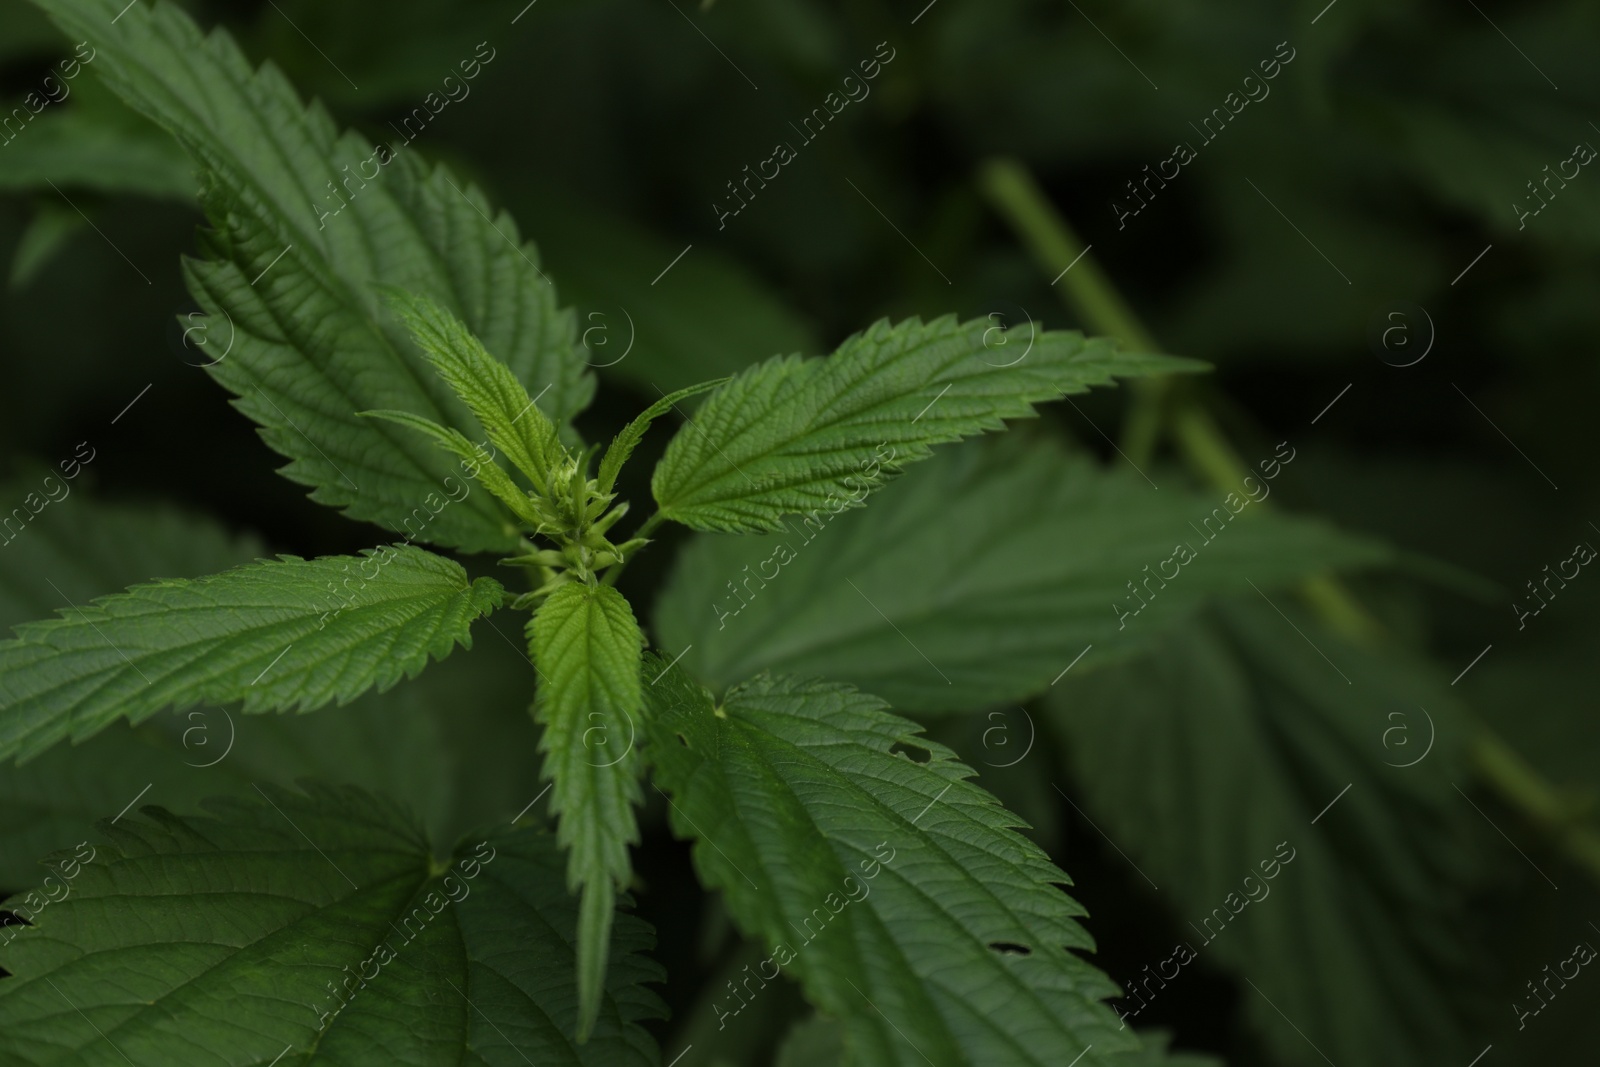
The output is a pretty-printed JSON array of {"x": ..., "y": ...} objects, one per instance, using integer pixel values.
[{"x": 1397, "y": 141}]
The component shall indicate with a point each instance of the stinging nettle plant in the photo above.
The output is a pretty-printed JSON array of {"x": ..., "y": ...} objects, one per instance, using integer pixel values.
[{"x": 407, "y": 346}]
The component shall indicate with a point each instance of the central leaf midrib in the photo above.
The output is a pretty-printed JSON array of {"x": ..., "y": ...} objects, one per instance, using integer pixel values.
[{"x": 871, "y": 802}]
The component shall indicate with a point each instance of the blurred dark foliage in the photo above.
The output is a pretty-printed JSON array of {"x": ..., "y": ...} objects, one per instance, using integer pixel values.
[{"x": 1399, "y": 141}]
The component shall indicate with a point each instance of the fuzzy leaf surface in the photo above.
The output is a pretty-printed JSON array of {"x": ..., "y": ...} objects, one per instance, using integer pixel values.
[
  {"x": 305, "y": 220},
  {"x": 978, "y": 578},
  {"x": 195, "y": 941},
  {"x": 587, "y": 647},
  {"x": 498, "y": 400},
  {"x": 793, "y": 434},
  {"x": 271, "y": 634},
  {"x": 898, "y": 893}
]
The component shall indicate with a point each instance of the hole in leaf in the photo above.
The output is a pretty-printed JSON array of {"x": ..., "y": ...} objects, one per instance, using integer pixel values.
[
  {"x": 1008, "y": 948},
  {"x": 911, "y": 752},
  {"x": 684, "y": 741}
]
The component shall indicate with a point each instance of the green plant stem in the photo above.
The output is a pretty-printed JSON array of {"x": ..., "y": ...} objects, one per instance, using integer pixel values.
[
  {"x": 645, "y": 529},
  {"x": 1014, "y": 193},
  {"x": 1018, "y": 198},
  {"x": 648, "y": 526},
  {"x": 1524, "y": 789}
]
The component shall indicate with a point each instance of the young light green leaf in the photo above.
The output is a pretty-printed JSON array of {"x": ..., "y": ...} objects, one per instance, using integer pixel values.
[
  {"x": 304, "y": 221},
  {"x": 792, "y": 434},
  {"x": 624, "y": 443},
  {"x": 299, "y": 927},
  {"x": 976, "y": 579},
  {"x": 278, "y": 634},
  {"x": 475, "y": 463},
  {"x": 1292, "y": 807},
  {"x": 587, "y": 647},
  {"x": 513, "y": 421},
  {"x": 896, "y": 892}
]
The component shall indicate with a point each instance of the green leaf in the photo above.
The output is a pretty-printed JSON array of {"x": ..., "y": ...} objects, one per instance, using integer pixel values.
[
  {"x": 795, "y": 435},
  {"x": 305, "y": 220},
  {"x": 587, "y": 648},
  {"x": 89, "y": 148},
  {"x": 979, "y": 578},
  {"x": 624, "y": 443},
  {"x": 76, "y": 547},
  {"x": 1232, "y": 744},
  {"x": 898, "y": 894},
  {"x": 275, "y": 635},
  {"x": 475, "y": 463},
  {"x": 451, "y": 746},
  {"x": 194, "y": 941},
  {"x": 514, "y": 423}
]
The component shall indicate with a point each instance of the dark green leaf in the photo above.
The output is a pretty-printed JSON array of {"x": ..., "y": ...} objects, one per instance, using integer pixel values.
[
  {"x": 897, "y": 893},
  {"x": 980, "y": 578},
  {"x": 294, "y": 930}
]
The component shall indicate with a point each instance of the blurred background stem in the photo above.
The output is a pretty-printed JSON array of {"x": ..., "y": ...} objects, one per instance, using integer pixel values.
[{"x": 1176, "y": 410}]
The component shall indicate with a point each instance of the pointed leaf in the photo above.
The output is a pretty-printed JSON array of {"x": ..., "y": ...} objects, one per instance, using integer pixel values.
[
  {"x": 1293, "y": 808},
  {"x": 978, "y": 578},
  {"x": 587, "y": 647},
  {"x": 624, "y": 443},
  {"x": 475, "y": 463},
  {"x": 896, "y": 892},
  {"x": 305, "y": 219},
  {"x": 79, "y": 547},
  {"x": 282, "y": 634},
  {"x": 309, "y": 930},
  {"x": 513, "y": 421},
  {"x": 794, "y": 434}
]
